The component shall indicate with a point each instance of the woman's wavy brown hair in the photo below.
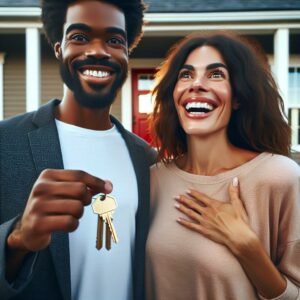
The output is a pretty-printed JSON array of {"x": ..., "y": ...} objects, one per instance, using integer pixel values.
[{"x": 258, "y": 124}]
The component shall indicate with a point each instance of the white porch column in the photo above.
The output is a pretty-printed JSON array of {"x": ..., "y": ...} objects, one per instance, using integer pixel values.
[
  {"x": 281, "y": 62},
  {"x": 33, "y": 66},
  {"x": 126, "y": 103},
  {"x": 1, "y": 86}
]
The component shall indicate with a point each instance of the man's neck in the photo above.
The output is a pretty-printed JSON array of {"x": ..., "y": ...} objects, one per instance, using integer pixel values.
[{"x": 71, "y": 112}]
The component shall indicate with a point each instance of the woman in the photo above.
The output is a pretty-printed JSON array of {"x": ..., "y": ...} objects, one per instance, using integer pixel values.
[{"x": 219, "y": 125}]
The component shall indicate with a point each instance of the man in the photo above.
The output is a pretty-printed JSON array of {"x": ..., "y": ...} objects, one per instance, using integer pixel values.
[{"x": 55, "y": 159}]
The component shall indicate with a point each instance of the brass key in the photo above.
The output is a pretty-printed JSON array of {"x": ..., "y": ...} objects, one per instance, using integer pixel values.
[
  {"x": 104, "y": 206},
  {"x": 99, "y": 240},
  {"x": 107, "y": 238},
  {"x": 111, "y": 227}
]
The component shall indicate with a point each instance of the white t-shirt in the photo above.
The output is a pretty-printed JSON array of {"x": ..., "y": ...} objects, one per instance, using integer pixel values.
[{"x": 105, "y": 275}]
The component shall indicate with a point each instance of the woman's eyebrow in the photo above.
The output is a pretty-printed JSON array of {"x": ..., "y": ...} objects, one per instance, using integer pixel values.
[
  {"x": 215, "y": 65},
  {"x": 208, "y": 67},
  {"x": 188, "y": 67}
]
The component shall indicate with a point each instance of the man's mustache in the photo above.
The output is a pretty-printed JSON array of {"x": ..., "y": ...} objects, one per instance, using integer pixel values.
[{"x": 94, "y": 61}]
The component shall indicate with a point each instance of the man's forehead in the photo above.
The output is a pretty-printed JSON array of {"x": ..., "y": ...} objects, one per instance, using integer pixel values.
[{"x": 95, "y": 14}]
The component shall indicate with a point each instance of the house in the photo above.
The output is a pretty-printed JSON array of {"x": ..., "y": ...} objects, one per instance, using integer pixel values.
[{"x": 29, "y": 72}]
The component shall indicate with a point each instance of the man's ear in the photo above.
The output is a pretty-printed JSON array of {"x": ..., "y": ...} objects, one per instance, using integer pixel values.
[{"x": 57, "y": 50}]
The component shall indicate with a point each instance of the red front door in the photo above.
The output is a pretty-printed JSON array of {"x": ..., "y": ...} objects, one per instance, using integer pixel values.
[{"x": 142, "y": 83}]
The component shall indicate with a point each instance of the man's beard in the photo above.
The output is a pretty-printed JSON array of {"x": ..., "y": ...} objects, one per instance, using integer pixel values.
[{"x": 88, "y": 100}]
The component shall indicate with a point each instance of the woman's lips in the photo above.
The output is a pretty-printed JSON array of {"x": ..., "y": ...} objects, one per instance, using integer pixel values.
[{"x": 199, "y": 107}]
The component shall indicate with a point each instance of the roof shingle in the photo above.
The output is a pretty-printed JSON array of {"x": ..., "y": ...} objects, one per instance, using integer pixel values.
[{"x": 168, "y": 6}]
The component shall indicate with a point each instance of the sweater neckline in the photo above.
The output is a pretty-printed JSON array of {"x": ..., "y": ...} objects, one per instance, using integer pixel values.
[{"x": 230, "y": 174}]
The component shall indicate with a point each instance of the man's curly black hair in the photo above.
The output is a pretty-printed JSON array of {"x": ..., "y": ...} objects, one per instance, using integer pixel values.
[{"x": 54, "y": 14}]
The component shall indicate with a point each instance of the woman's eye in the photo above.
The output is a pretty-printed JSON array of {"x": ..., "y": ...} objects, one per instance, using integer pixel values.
[
  {"x": 184, "y": 74},
  {"x": 79, "y": 38},
  {"x": 217, "y": 74}
]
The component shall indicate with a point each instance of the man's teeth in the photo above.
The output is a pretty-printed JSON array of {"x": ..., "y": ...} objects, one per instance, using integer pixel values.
[
  {"x": 198, "y": 107},
  {"x": 94, "y": 73}
]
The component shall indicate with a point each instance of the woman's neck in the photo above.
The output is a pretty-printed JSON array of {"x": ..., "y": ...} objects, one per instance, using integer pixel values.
[{"x": 212, "y": 155}]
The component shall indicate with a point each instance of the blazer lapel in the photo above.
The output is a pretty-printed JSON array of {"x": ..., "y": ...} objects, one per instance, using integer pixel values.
[{"x": 46, "y": 154}]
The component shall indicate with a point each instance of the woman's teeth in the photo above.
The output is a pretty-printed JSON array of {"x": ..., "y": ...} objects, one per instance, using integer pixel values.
[{"x": 198, "y": 107}]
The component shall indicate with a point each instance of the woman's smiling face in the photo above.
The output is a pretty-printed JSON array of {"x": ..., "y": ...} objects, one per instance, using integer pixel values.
[{"x": 202, "y": 94}]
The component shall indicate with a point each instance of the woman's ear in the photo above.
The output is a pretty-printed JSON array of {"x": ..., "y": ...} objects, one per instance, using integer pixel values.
[
  {"x": 57, "y": 50},
  {"x": 235, "y": 104}
]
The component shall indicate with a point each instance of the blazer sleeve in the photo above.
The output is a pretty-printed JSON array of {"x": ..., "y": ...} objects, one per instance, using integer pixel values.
[{"x": 10, "y": 290}]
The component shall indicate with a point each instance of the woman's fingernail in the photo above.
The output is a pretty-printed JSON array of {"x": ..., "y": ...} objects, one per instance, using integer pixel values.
[
  {"x": 177, "y": 205},
  {"x": 188, "y": 191},
  {"x": 177, "y": 197},
  {"x": 235, "y": 182}
]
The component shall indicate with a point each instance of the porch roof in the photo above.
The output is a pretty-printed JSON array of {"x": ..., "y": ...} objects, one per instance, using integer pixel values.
[{"x": 178, "y": 6}]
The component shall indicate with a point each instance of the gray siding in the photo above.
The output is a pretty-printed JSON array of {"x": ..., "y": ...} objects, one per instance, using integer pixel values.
[
  {"x": 51, "y": 83},
  {"x": 14, "y": 85}
]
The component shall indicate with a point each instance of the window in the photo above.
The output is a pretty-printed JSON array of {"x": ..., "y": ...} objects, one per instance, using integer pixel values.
[
  {"x": 145, "y": 85},
  {"x": 294, "y": 105},
  {"x": 294, "y": 87}
]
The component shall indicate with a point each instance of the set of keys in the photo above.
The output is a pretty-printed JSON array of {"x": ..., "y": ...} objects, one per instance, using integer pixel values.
[{"x": 104, "y": 206}]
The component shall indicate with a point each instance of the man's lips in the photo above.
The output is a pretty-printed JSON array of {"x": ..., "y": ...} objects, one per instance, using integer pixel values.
[
  {"x": 96, "y": 74},
  {"x": 96, "y": 71}
]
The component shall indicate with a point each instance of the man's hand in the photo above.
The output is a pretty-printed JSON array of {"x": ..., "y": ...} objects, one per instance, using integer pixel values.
[{"x": 56, "y": 203}]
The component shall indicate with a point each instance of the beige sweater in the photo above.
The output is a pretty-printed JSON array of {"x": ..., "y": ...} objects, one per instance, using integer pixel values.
[{"x": 183, "y": 265}]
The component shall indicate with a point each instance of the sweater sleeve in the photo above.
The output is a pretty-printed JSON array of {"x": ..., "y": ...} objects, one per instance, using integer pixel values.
[
  {"x": 288, "y": 246},
  {"x": 289, "y": 266}
]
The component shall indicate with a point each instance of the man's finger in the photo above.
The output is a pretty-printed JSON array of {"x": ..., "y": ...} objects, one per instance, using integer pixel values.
[{"x": 95, "y": 184}]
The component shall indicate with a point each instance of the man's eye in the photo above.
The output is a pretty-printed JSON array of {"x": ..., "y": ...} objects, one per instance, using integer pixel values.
[
  {"x": 79, "y": 38},
  {"x": 185, "y": 74},
  {"x": 116, "y": 41}
]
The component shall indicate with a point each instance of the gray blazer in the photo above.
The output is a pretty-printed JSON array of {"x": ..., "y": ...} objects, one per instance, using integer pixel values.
[{"x": 29, "y": 144}]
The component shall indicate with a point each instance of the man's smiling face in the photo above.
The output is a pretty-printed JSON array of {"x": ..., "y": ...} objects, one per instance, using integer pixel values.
[{"x": 93, "y": 54}]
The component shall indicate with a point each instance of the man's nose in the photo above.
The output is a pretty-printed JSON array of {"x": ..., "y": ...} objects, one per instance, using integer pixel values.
[{"x": 98, "y": 50}]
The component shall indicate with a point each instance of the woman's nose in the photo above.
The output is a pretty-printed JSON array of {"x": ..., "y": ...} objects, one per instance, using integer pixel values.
[{"x": 198, "y": 84}]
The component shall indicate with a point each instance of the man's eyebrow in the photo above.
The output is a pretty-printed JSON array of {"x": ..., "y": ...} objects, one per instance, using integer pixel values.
[
  {"x": 117, "y": 31},
  {"x": 78, "y": 26},
  {"x": 87, "y": 28}
]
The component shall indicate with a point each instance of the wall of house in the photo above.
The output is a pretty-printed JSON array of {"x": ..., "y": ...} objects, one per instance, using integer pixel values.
[{"x": 14, "y": 84}]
